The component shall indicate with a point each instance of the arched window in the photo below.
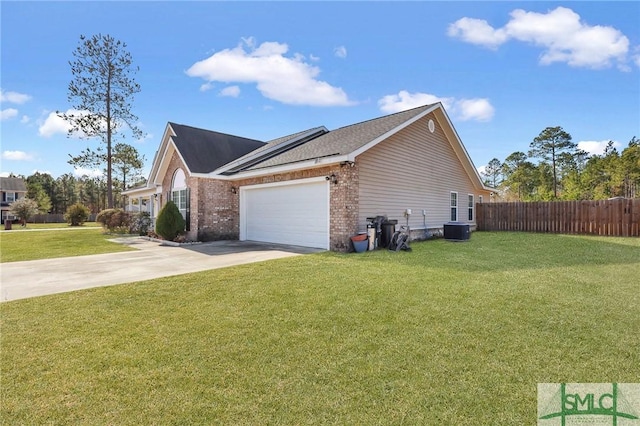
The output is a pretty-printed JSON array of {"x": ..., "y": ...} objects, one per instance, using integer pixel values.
[
  {"x": 179, "y": 180},
  {"x": 179, "y": 192}
]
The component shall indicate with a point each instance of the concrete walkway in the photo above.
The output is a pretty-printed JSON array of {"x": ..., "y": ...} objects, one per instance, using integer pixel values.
[{"x": 22, "y": 280}]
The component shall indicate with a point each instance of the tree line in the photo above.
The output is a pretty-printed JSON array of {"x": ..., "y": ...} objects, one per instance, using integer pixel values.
[
  {"x": 555, "y": 169},
  {"x": 56, "y": 195}
]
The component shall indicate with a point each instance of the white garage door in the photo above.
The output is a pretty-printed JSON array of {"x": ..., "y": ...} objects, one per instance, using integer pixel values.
[{"x": 286, "y": 213}]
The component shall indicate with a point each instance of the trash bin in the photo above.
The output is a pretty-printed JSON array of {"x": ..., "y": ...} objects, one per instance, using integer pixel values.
[
  {"x": 388, "y": 229},
  {"x": 374, "y": 229},
  {"x": 371, "y": 232},
  {"x": 7, "y": 225}
]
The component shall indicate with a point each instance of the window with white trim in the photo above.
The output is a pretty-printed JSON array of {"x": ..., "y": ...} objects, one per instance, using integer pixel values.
[
  {"x": 11, "y": 197},
  {"x": 470, "y": 215},
  {"x": 179, "y": 192},
  {"x": 454, "y": 207}
]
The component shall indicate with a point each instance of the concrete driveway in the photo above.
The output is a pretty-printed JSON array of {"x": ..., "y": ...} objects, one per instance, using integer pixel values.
[{"x": 22, "y": 280}]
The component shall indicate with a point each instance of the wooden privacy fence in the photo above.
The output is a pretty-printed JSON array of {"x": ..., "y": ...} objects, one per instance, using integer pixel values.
[
  {"x": 616, "y": 217},
  {"x": 55, "y": 218}
]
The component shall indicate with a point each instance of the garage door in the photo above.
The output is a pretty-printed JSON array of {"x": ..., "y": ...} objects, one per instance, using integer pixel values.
[{"x": 286, "y": 213}]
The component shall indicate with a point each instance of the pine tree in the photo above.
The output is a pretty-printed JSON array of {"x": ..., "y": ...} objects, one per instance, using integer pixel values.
[{"x": 101, "y": 92}]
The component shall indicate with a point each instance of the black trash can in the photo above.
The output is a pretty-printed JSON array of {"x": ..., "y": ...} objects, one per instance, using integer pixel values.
[
  {"x": 388, "y": 229},
  {"x": 7, "y": 225}
]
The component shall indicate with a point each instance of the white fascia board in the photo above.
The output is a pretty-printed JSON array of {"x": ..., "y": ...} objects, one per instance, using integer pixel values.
[
  {"x": 237, "y": 163},
  {"x": 284, "y": 183},
  {"x": 160, "y": 153},
  {"x": 393, "y": 131},
  {"x": 309, "y": 164},
  {"x": 202, "y": 175},
  {"x": 140, "y": 192},
  {"x": 464, "y": 150},
  {"x": 165, "y": 159}
]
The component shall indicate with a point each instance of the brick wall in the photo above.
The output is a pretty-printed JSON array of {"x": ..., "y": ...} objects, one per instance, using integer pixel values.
[
  {"x": 215, "y": 204},
  {"x": 174, "y": 164},
  {"x": 344, "y": 207},
  {"x": 215, "y": 210},
  {"x": 343, "y": 200}
]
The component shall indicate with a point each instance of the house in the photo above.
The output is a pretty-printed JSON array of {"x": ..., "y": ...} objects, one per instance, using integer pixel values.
[
  {"x": 317, "y": 187},
  {"x": 12, "y": 189}
]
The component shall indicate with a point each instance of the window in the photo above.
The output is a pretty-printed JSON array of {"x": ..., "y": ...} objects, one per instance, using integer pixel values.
[
  {"x": 179, "y": 192},
  {"x": 454, "y": 207},
  {"x": 470, "y": 217},
  {"x": 11, "y": 197},
  {"x": 180, "y": 199}
]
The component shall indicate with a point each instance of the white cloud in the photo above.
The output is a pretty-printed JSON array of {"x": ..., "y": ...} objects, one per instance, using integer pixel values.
[
  {"x": 231, "y": 91},
  {"x": 596, "y": 147},
  {"x": 560, "y": 32},
  {"x": 8, "y": 113},
  {"x": 5, "y": 174},
  {"x": 477, "y": 31},
  {"x": 83, "y": 171},
  {"x": 16, "y": 156},
  {"x": 13, "y": 97},
  {"x": 206, "y": 86},
  {"x": 405, "y": 100},
  {"x": 340, "y": 52},
  {"x": 636, "y": 56},
  {"x": 25, "y": 119},
  {"x": 289, "y": 80},
  {"x": 54, "y": 124},
  {"x": 478, "y": 109}
]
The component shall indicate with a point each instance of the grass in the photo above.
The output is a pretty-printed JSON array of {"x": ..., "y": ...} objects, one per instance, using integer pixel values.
[
  {"x": 17, "y": 227},
  {"x": 18, "y": 246},
  {"x": 450, "y": 333}
]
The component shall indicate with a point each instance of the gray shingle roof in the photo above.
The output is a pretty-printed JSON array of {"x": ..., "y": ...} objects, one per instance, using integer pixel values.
[
  {"x": 273, "y": 148},
  {"x": 12, "y": 184},
  {"x": 342, "y": 141},
  {"x": 205, "y": 150},
  {"x": 275, "y": 142}
]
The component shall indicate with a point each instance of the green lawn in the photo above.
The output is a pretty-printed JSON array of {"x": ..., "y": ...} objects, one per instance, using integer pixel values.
[
  {"x": 450, "y": 333},
  {"x": 17, "y": 246},
  {"x": 17, "y": 227}
]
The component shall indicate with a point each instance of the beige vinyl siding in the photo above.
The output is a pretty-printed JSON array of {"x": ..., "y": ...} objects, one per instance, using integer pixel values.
[{"x": 414, "y": 169}]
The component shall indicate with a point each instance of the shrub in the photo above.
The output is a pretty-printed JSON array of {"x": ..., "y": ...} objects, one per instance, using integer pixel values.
[
  {"x": 76, "y": 214},
  {"x": 170, "y": 222},
  {"x": 114, "y": 220},
  {"x": 140, "y": 223},
  {"x": 104, "y": 216}
]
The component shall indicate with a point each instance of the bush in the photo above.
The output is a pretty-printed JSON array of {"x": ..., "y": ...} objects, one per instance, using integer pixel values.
[
  {"x": 140, "y": 223},
  {"x": 114, "y": 220},
  {"x": 170, "y": 222},
  {"x": 76, "y": 214}
]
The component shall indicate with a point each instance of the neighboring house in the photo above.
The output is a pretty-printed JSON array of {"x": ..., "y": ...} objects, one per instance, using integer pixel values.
[
  {"x": 317, "y": 188},
  {"x": 12, "y": 189}
]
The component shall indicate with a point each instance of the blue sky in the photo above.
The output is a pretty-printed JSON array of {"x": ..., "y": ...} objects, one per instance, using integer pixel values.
[{"x": 503, "y": 70}]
